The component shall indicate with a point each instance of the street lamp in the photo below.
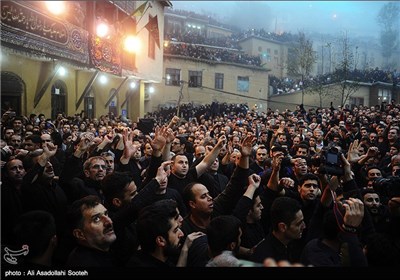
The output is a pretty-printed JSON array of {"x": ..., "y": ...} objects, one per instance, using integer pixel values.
[
  {"x": 56, "y": 7},
  {"x": 102, "y": 29},
  {"x": 132, "y": 44}
]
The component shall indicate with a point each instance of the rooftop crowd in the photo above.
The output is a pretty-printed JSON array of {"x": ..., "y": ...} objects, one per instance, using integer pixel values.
[
  {"x": 219, "y": 185},
  {"x": 226, "y": 49},
  {"x": 371, "y": 76}
]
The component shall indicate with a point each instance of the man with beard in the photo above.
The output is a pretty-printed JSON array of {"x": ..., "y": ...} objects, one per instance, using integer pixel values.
[
  {"x": 258, "y": 166},
  {"x": 160, "y": 236},
  {"x": 109, "y": 158},
  {"x": 12, "y": 177},
  {"x": 93, "y": 231},
  {"x": 379, "y": 212}
]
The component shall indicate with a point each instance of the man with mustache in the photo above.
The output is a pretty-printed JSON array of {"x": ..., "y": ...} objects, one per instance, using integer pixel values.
[
  {"x": 12, "y": 177},
  {"x": 81, "y": 177},
  {"x": 93, "y": 231},
  {"x": 379, "y": 212}
]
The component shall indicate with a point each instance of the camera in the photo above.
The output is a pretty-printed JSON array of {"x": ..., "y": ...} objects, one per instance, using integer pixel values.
[
  {"x": 331, "y": 162},
  {"x": 388, "y": 187}
]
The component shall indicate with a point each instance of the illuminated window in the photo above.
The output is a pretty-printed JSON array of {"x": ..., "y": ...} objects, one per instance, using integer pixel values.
[{"x": 173, "y": 77}]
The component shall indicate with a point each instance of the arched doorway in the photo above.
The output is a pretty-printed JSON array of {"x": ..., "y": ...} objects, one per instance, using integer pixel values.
[
  {"x": 58, "y": 98},
  {"x": 12, "y": 90}
]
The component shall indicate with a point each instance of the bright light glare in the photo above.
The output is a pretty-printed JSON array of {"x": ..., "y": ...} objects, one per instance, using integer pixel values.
[
  {"x": 62, "y": 71},
  {"x": 151, "y": 89},
  {"x": 132, "y": 44},
  {"x": 103, "y": 79},
  {"x": 133, "y": 85},
  {"x": 102, "y": 30},
  {"x": 55, "y": 7}
]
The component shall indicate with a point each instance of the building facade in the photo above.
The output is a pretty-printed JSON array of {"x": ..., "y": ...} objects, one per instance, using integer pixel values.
[
  {"x": 200, "y": 81},
  {"x": 58, "y": 63}
]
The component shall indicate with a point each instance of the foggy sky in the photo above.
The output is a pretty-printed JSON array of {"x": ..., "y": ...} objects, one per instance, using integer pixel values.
[{"x": 358, "y": 18}]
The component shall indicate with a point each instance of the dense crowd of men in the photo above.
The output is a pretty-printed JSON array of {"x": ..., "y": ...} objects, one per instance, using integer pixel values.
[{"x": 221, "y": 185}]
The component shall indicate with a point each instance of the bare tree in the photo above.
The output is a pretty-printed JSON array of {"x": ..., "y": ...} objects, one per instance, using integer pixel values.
[
  {"x": 388, "y": 18},
  {"x": 301, "y": 59},
  {"x": 343, "y": 74},
  {"x": 323, "y": 90}
]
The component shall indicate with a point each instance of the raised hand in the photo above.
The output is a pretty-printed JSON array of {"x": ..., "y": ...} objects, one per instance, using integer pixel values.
[
  {"x": 163, "y": 172},
  {"x": 254, "y": 180},
  {"x": 372, "y": 152},
  {"x": 276, "y": 162},
  {"x": 175, "y": 120},
  {"x": 247, "y": 145},
  {"x": 159, "y": 140},
  {"x": 190, "y": 238},
  {"x": 169, "y": 135},
  {"x": 222, "y": 141},
  {"x": 354, "y": 155},
  {"x": 354, "y": 212},
  {"x": 286, "y": 182},
  {"x": 129, "y": 148},
  {"x": 49, "y": 149}
]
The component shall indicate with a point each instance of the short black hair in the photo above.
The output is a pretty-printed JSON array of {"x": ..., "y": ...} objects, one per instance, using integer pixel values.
[
  {"x": 35, "y": 229},
  {"x": 153, "y": 221},
  {"x": 222, "y": 231},
  {"x": 75, "y": 211},
  {"x": 113, "y": 186},
  {"x": 283, "y": 209}
]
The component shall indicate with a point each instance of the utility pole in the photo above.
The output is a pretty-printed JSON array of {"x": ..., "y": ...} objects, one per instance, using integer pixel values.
[{"x": 179, "y": 98}]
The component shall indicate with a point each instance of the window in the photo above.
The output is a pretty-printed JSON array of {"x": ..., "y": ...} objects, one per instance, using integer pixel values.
[
  {"x": 384, "y": 95},
  {"x": 58, "y": 98},
  {"x": 219, "y": 81},
  {"x": 172, "y": 77},
  {"x": 243, "y": 84},
  {"x": 195, "y": 78},
  {"x": 356, "y": 101}
]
